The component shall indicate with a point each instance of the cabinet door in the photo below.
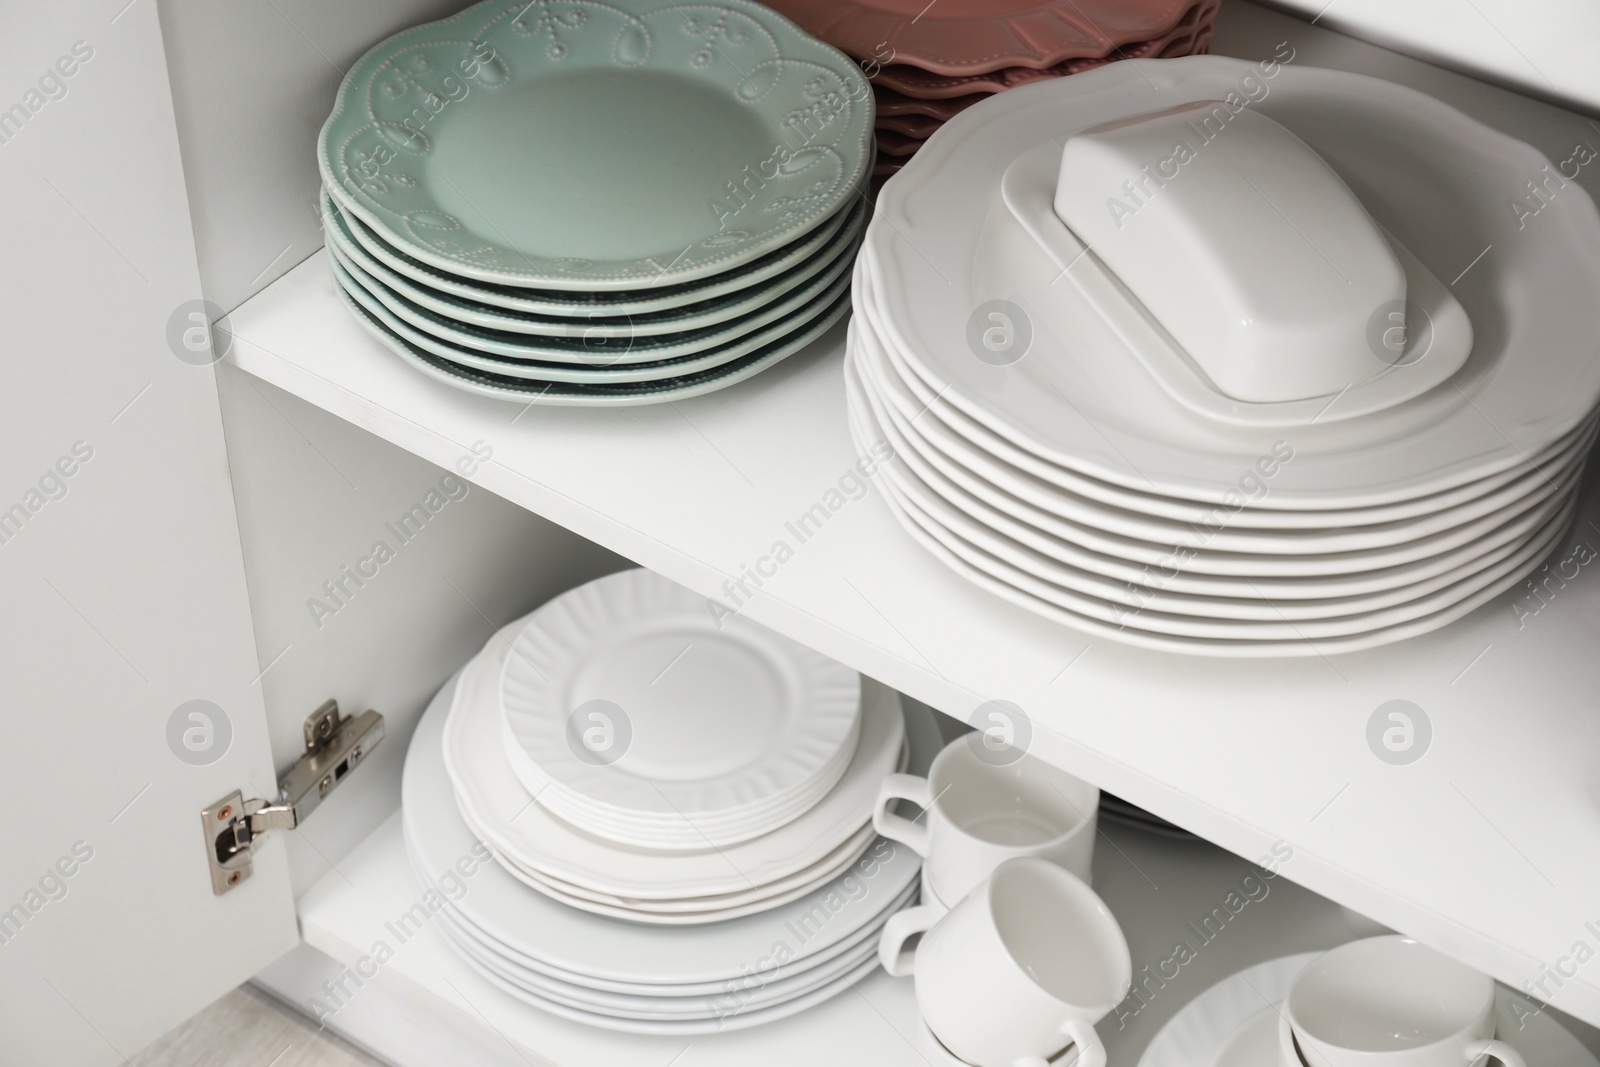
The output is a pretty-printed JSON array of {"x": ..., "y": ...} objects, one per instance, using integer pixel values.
[{"x": 130, "y": 693}]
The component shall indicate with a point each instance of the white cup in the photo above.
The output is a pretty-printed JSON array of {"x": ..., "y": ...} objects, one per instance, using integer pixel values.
[
  {"x": 978, "y": 813},
  {"x": 1017, "y": 971},
  {"x": 1390, "y": 1002}
]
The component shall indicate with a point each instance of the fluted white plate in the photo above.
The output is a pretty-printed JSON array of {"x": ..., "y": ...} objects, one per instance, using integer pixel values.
[{"x": 509, "y": 818}]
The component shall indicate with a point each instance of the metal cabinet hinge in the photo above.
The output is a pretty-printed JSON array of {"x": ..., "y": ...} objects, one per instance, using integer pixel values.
[{"x": 334, "y": 745}]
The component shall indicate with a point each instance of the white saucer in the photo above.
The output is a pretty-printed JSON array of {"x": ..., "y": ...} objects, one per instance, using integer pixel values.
[
  {"x": 731, "y": 729},
  {"x": 515, "y": 825},
  {"x": 1223, "y": 1026}
]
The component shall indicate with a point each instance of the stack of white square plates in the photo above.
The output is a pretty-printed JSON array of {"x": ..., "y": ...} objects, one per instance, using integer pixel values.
[
  {"x": 597, "y": 204},
  {"x": 1079, "y": 431}
]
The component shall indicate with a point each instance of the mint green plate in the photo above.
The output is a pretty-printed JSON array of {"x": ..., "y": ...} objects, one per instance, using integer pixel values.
[
  {"x": 591, "y": 372},
  {"x": 586, "y": 320},
  {"x": 701, "y": 294},
  {"x": 609, "y": 393},
  {"x": 582, "y": 145},
  {"x": 578, "y": 347}
]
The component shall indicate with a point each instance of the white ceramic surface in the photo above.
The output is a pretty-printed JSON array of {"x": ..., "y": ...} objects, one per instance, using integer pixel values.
[
  {"x": 1257, "y": 258},
  {"x": 1418, "y": 548},
  {"x": 737, "y": 1020},
  {"x": 755, "y": 995},
  {"x": 627, "y": 957},
  {"x": 948, "y": 427},
  {"x": 694, "y": 911},
  {"x": 1427, "y": 173},
  {"x": 982, "y": 806},
  {"x": 1153, "y": 608},
  {"x": 1390, "y": 350},
  {"x": 503, "y": 809},
  {"x": 1017, "y": 587},
  {"x": 1017, "y": 971},
  {"x": 1215, "y": 1022},
  {"x": 718, "y": 721},
  {"x": 1390, "y": 1001}
]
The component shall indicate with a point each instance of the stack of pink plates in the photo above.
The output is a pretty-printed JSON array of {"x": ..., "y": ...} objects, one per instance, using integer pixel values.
[{"x": 929, "y": 61}]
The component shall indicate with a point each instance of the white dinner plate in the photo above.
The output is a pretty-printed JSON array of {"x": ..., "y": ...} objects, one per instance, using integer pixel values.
[
  {"x": 1084, "y": 544},
  {"x": 632, "y": 957},
  {"x": 738, "y": 1020},
  {"x": 717, "y": 717},
  {"x": 738, "y": 995},
  {"x": 1427, "y": 173},
  {"x": 1037, "y": 577},
  {"x": 691, "y": 912},
  {"x": 947, "y": 430},
  {"x": 949, "y": 503},
  {"x": 503, "y": 809},
  {"x": 1202, "y": 1029},
  {"x": 1156, "y": 593},
  {"x": 487, "y": 144},
  {"x": 983, "y": 578},
  {"x": 585, "y": 315}
]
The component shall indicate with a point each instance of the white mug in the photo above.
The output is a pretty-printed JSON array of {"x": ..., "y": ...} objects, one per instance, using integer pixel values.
[
  {"x": 1390, "y": 1002},
  {"x": 1017, "y": 971},
  {"x": 978, "y": 813}
]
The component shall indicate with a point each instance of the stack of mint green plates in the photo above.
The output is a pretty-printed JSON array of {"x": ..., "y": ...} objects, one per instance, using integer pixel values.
[{"x": 585, "y": 203}]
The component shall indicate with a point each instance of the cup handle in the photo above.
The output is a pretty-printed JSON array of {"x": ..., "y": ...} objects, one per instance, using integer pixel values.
[
  {"x": 1084, "y": 1037},
  {"x": 897, "y": 827},
  {"x": 1495, "y": 1050},
  {"x": 899, "y": 929}
]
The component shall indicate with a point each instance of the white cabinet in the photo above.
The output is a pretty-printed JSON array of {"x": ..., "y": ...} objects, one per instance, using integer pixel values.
[
  {"x": 144, "y": 491},
  {"x": 132, "y": 689}
]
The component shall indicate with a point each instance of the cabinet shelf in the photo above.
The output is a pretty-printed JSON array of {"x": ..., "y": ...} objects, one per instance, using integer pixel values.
[
  {"x": 1483, "y": 847},
  {"x": 1159, "y": 889}
]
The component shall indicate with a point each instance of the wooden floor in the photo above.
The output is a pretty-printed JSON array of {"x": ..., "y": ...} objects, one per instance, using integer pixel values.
[{"x": 247, "y": 1028}]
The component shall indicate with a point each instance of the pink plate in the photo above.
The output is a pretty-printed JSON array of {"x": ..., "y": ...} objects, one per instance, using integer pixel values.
[
  {"x": 962, "y": 37},
  {"x": 894, "y": 103},
  {"x": 1190, "y": 36},
  {"x": 917, "y": 127},
  {"x": 895, "y": 145}
]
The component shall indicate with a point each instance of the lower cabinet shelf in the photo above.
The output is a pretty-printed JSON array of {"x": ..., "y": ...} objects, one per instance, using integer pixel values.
[{"x": 1193, "y": 914}]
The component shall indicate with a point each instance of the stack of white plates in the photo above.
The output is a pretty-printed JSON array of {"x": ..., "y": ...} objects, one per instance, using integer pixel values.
[
  {"x": 1082, "y": 477},
  {"x": 623, "y": 975},
  {"x": 631, "y": 712},
  {"x": 618, "y": 204},
  {"x": 630, "y": 632}
]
